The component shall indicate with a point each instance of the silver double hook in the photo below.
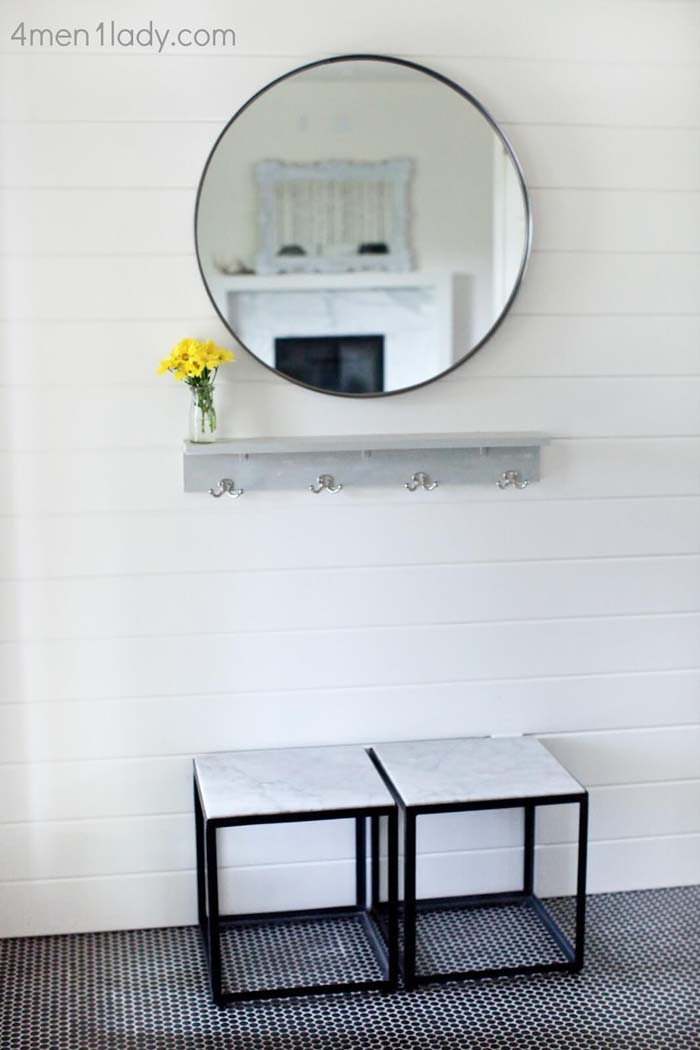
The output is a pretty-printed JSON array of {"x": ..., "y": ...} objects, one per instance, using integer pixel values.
[
  {"x": 325, "y": 482},
  {"x": 421, "y": 480},
  {"x": 512, "y": 478},
  {"x": 226, "y": 487}
]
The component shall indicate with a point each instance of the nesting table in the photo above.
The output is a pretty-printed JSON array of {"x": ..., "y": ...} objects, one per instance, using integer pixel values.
[
  {"x": 281, "y": 786},
  {"x": 442, "y": 776},
  {"x": 370, "y": 786}
]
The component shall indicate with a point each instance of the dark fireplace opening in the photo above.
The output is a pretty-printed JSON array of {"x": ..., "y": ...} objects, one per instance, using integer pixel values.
[{"x": 348, "y": 364}]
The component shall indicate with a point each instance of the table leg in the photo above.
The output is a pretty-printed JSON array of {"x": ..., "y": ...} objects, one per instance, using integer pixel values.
[
  {"x": 361, "y": 862},
  {"x": 374, "y": 825},
  {"x": 213, "y": 917},
  {"x": 581, "y": 882},
  {"x": 529, "y": 862},
  {"x": 409, "y": 902},
  {"x": 393, "y": 897},
  {"x": 201, "y": 877}
]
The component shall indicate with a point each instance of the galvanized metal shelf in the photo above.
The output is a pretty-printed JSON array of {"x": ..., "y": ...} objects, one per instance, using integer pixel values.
[{"x": 318, "y": 464}]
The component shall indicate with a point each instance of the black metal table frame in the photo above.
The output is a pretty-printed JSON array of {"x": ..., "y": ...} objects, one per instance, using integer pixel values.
[
  {"x": 574, "y": 953},
  {"x": 384, "y": 945}
]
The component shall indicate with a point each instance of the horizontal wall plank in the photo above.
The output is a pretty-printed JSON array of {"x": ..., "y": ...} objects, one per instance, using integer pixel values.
[
  {"x": 608, "y": 221},
  {"x": 298, "y": 600},
  {"x": 93, "y": 346},
  {"x": 630, "y": 811},
  {"x": 614, "y": 758},
  {"x": 54, "y": 417},
  {"x": 59, "y": 791},
  {"x": 592, "y": 283},
  {"x": 414, "y": 533},
  {"x": 109, "y": 668},
  {"x": 97, "y": 222},
  {"x": 608, "y": 158},
  {"x": 158, "y": 91},
  {"x": 151, "y": 844},
  {"x": 561, "y": 283},
  {"x": 128, "y": 727},
  {"x": 79, "y": 849},
  {"x": 141, "y": 221},
  {"x": 140, "y": 155},
  {"x": 35, "y": 352},
  {"x": 105, "y": 155},
  {"x": 99, "y": 288},
  {"x": 137, "y": 480},
  {"x": 587, "y": 346},
  {"x": 169, "y": 899},
  {"x": 138, "y": 901},
  {"x": 200, "y": 88}
]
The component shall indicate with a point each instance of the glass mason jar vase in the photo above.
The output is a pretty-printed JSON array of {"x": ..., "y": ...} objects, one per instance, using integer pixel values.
[{"x": 202, "y": 411}]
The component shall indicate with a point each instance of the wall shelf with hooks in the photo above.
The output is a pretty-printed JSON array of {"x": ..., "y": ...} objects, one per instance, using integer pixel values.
[{"x": 416, "y": 463}]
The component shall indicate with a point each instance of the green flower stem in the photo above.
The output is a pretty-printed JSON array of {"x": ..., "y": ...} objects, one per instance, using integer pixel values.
[{"x": 203, "y": 392}]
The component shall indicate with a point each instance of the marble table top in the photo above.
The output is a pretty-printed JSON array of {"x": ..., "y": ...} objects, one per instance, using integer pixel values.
[
  {"x": 473, "y": 769},
  {"x": 289, "y": 780}
]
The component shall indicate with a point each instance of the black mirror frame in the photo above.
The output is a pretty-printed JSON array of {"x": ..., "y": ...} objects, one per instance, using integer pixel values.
[{"x": 509, "y": 149}]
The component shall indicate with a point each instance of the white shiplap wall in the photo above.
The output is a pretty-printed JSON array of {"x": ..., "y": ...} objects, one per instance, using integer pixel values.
[{"x": 141, "y": 625}]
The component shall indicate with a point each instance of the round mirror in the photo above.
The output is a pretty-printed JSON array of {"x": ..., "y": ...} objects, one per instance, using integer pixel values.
[{"x": 362, "y": 225}]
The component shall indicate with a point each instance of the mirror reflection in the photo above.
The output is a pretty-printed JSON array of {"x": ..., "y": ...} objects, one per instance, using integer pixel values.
[{"x": 362, "y": 226}]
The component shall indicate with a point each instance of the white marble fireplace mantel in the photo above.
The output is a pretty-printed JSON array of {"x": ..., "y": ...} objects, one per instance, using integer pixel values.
[
  {"x": 414, "y": 312},
  {"x": 302, "y": 282}
]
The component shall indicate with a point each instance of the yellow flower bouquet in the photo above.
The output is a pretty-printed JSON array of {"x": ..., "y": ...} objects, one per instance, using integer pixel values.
[{"x": 197, "y": 364}]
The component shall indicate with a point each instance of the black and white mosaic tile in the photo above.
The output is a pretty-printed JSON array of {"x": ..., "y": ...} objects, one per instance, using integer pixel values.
[
  {"x": 479, "y": 938},
  {"x": 297, "y": 954},
  {"x": 147, "y": 990}
]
